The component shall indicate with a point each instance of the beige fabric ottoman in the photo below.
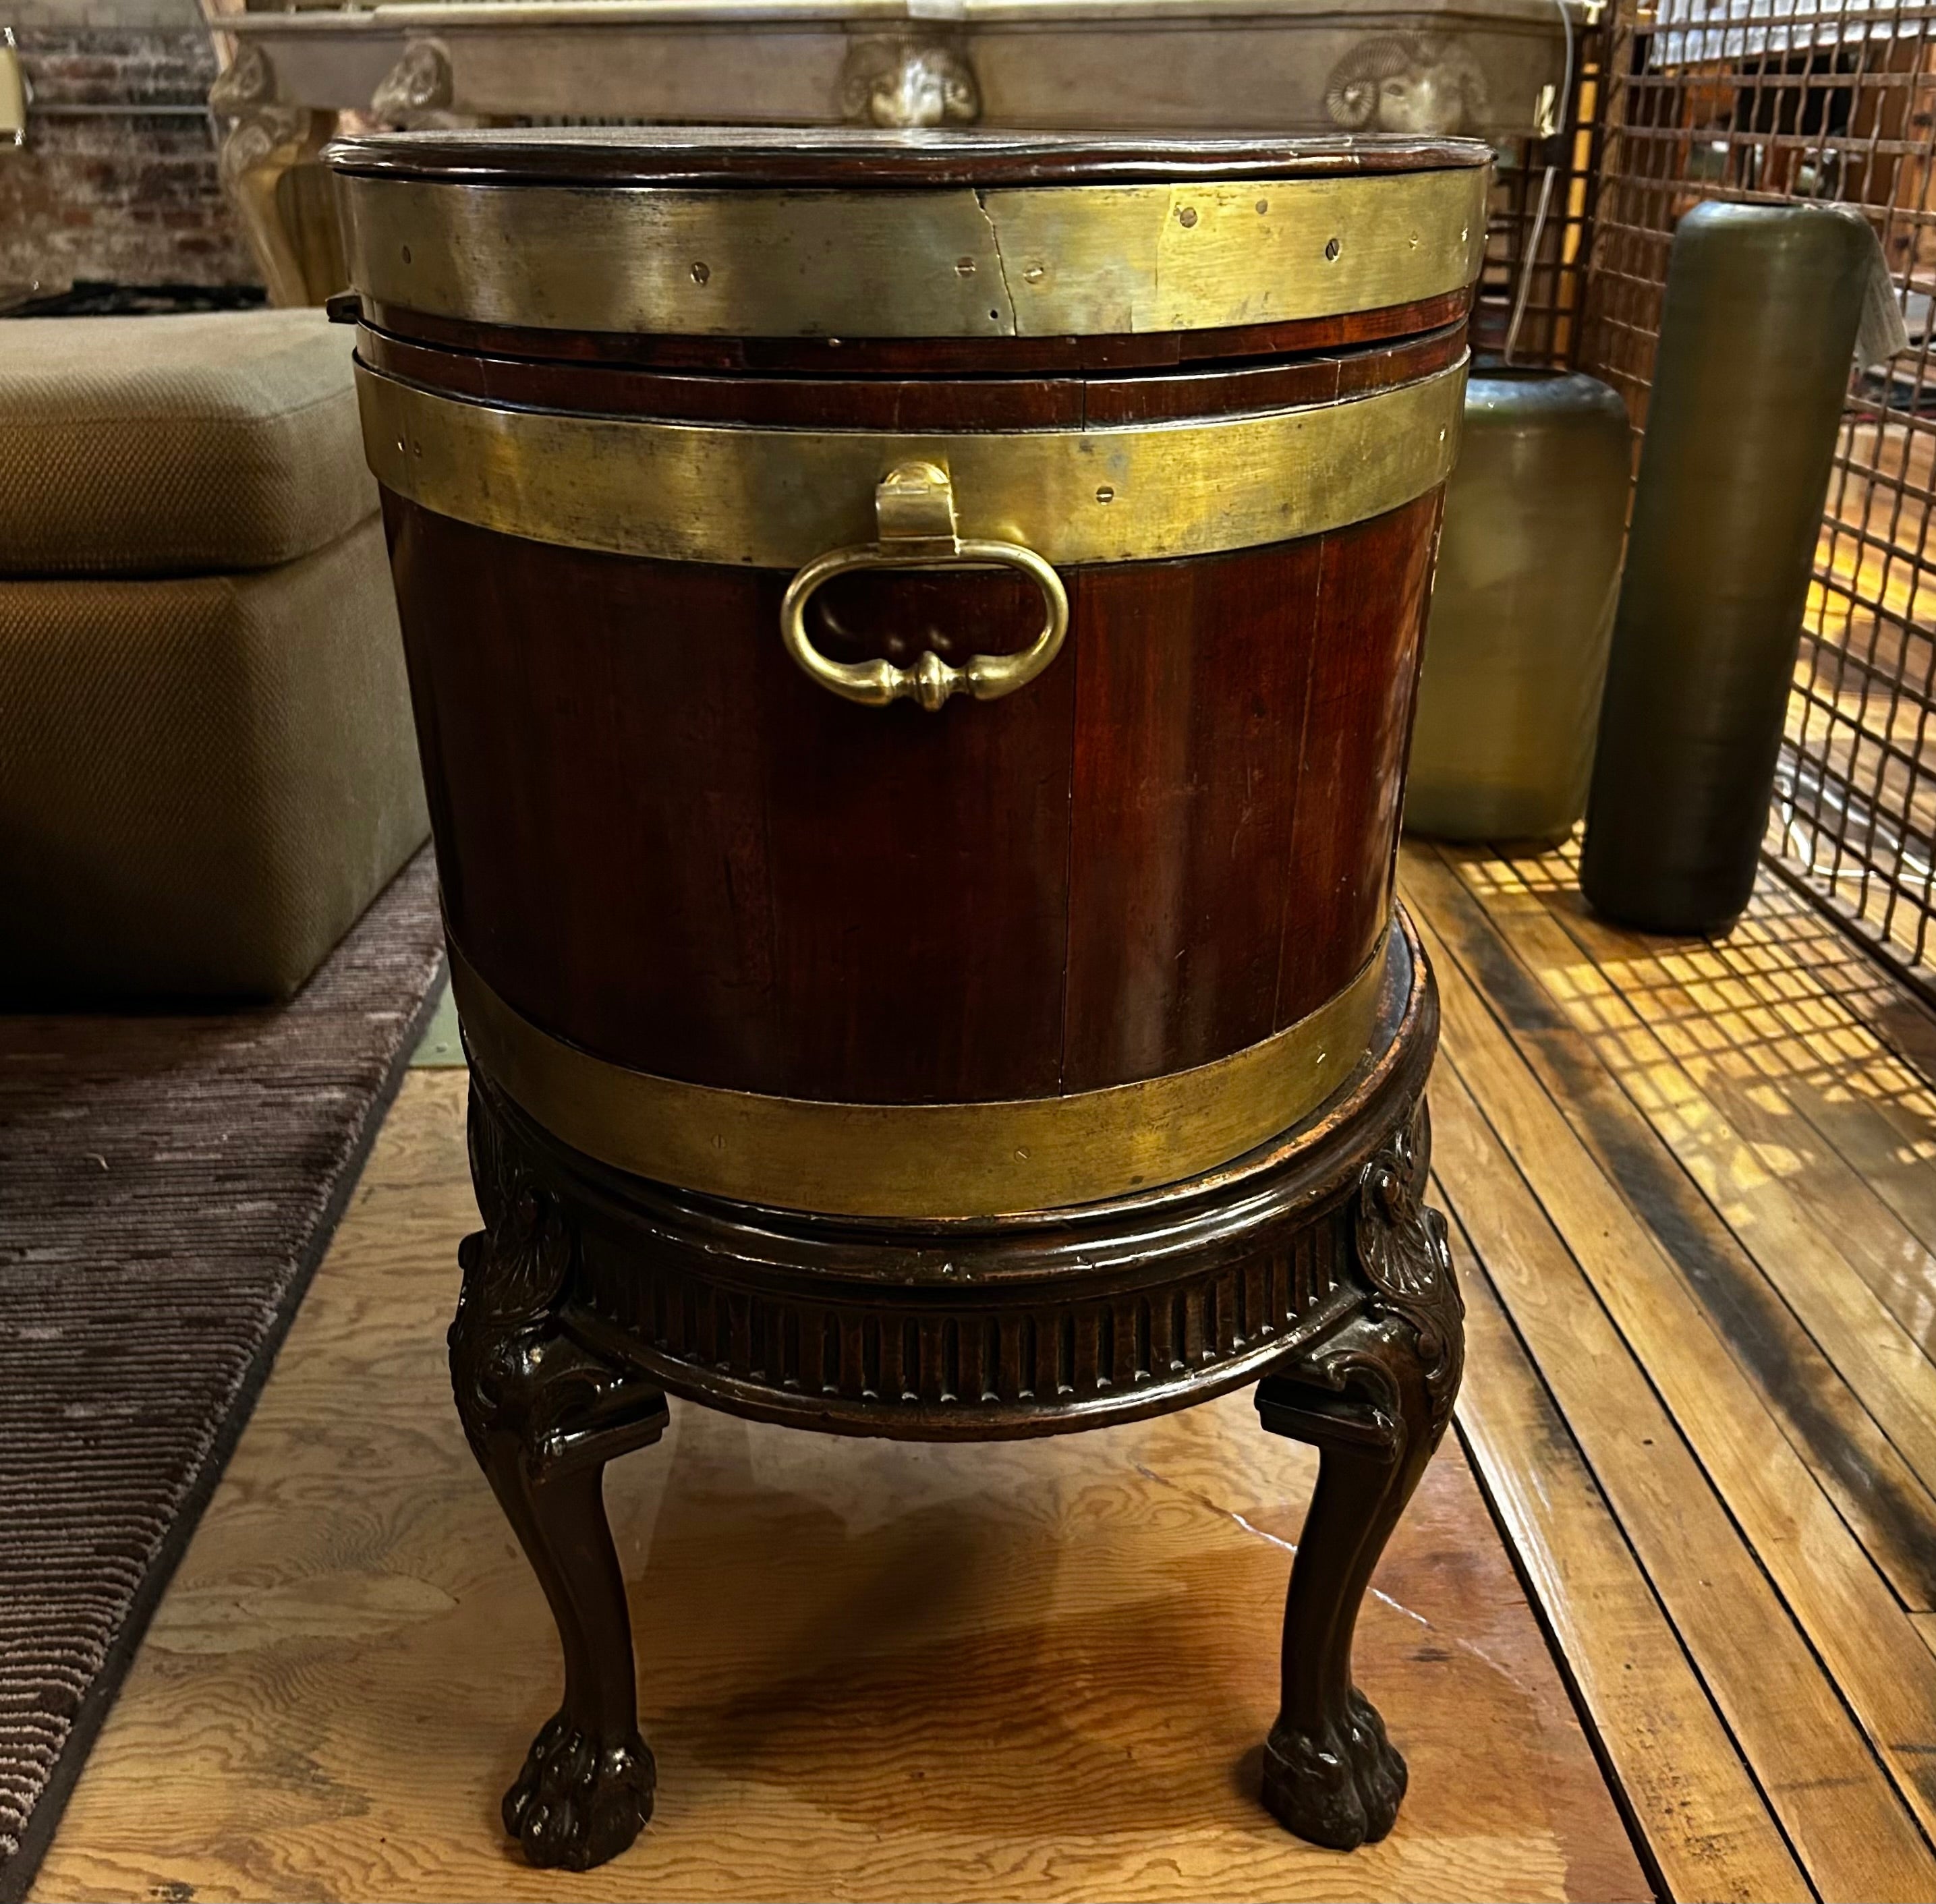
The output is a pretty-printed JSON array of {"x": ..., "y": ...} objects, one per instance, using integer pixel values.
[{"x": 207, "y": 765}]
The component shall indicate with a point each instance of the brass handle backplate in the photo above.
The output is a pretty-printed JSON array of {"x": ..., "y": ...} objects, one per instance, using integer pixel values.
[{"x": 914, "y": 509}]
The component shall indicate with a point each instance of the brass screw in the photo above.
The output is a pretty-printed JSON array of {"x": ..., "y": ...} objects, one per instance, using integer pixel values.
[
  {"x": 700, "y": 273},
  {"x": 1331, "y": 248},
  {"x": 1105, "y": 495},
  {"x": 964, "y": 268},
  {"x": 1186, "y": 217},
  {"x": 1263, "y": 206},
  {"x": 1033, "y": 275}
]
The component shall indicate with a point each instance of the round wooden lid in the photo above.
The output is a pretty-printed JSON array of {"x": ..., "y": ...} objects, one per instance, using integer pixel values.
[{"x": 852, "y": 158}]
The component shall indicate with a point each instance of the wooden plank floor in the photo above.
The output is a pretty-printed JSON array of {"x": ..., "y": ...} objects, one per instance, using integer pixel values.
[
  {"x": 1035, "y": 1670},
  {"x": 1693, "y": 1196},
  {"x": 1693, "y": 1188}
]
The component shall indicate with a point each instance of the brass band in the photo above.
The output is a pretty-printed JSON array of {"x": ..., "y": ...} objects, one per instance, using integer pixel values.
[
  {"x": 1041, "y": 261},
  {"x": 775, "y": 498},
  {"x": 936, "y": 1160}
]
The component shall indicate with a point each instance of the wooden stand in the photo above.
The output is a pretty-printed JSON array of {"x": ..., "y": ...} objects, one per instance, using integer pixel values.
[{"x": 1311, "y": 1267}]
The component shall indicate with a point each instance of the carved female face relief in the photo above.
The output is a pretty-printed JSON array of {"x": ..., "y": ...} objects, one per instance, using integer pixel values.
[{"x": 1415, "y": 82}]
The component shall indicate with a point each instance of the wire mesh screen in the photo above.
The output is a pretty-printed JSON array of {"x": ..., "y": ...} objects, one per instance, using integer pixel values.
[
  {"x": 1531, "y": 289},
  {"x": 1774, "y": 102}
]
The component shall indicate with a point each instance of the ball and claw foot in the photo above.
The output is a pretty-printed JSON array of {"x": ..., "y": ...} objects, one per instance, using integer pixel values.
[
  {"x": 575, "y": 1806},
  {"x": 1342, "y": 1790}
]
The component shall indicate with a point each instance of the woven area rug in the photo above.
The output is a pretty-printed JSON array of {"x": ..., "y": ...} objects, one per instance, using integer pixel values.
[{"x": 167, "y": 1186}]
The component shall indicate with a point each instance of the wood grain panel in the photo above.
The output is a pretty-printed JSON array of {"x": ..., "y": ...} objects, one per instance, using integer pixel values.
[
  {"x": 915, "y": 403},
  {"x": 1192, "y": 689},
  {"x": 928, "y": 356},
  {"x": 1373, "y": 586},
  {"x": 660, "y": 841},
  {"x": 658, "y": 838},
  {"x": 919, "y": 862}
]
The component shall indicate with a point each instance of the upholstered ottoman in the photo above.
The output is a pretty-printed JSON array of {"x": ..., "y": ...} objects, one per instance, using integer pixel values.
[{"x": 207, "y": 764}]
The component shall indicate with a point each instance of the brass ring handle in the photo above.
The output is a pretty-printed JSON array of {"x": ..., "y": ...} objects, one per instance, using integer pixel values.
[{"x": 914, "y": 507}]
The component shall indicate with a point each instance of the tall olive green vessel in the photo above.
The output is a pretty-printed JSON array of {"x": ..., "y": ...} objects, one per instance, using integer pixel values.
[
  {"x": 1522, "y": 608},
  {"x": 1762, "y": 307}
]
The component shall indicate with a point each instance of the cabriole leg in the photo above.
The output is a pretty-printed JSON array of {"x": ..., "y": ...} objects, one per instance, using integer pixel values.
[
  {"x": 543, "y": 1414},
  {"x": 1375, "y": 1398}
]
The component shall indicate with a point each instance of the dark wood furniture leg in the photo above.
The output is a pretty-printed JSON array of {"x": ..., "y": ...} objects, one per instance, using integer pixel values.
[
  {"x": 543, "y": 1414},
  {"x": 1375, "y": 1397}
]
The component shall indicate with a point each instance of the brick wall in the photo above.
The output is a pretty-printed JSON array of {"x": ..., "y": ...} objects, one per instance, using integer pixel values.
[{"x": 133, "y": 197}]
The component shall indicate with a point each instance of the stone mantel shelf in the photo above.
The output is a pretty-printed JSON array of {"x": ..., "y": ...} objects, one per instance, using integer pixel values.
[{"x": 1494, "y": 69}]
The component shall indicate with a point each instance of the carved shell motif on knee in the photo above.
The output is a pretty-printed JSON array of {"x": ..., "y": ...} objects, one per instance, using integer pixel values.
[{"x": 1415, "y": 82}]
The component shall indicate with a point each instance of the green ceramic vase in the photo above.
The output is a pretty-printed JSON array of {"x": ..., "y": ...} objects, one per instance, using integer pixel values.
[{"x": 1522, "y": 608}]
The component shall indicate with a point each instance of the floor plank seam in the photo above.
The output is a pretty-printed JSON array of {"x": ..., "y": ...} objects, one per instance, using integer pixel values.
[
  {"x": 1747, "y": 1545},
  {"x": 1630, "y": 1812},
  {"x": 1798, "y": 1614},
  {"x": 1775, "y": 1291},
  {"x": 1569, "y": 926},
  {"x": 1690, "y": 1275}
]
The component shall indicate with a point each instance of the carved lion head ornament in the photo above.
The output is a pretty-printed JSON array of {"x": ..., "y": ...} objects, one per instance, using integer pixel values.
[{"x": 908, "y": 82}]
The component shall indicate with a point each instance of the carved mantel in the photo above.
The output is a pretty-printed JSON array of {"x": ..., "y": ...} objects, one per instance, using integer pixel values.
[
  {"x": 265, "y": 139},
  {"x": 1488, "y": 68}
]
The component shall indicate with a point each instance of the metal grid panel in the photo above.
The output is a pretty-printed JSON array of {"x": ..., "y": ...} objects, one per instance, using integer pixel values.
[
  {"x": 1766, "y": 102},
  {"x": 1548, "y": 299}
]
